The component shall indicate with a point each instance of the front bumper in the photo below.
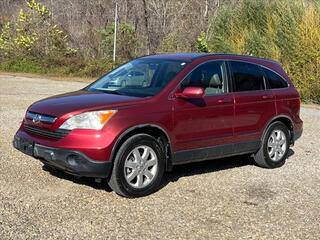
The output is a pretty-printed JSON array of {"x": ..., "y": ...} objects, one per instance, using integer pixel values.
[{"x": 69, "y": 161}]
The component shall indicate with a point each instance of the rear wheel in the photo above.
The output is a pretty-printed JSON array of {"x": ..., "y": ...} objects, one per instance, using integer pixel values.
[
  {"x": 275, "y": 146},
  {"x": 138, "y": 167}
]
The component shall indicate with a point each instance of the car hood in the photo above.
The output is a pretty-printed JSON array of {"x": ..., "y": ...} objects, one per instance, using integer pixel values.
[{"x": 80, "y": 101}]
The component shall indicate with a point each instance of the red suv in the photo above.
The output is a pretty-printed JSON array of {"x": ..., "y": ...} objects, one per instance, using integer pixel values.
[{"x": 177, "y": 108}]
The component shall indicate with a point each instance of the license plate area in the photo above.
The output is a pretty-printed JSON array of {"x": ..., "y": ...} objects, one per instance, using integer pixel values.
[{"x": 24, "y": 145}]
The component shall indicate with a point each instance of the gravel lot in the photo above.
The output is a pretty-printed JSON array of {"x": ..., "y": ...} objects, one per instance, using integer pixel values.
[{"x": 222, "y": 199}]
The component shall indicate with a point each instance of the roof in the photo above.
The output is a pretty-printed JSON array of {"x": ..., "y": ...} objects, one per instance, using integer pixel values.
[
  {"x": 181, "y": 56},
  {"x": 193, "y": 56}
]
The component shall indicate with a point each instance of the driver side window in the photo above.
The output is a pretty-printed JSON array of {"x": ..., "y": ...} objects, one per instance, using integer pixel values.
[{"x": 210, "y": 76}]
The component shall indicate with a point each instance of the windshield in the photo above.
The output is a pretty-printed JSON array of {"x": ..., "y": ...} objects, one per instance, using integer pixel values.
[{"x": 139, "y": 78}]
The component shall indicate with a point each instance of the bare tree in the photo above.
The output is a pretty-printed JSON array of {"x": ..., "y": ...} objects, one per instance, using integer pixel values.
[
  {"x": 154, "y": 21},
  {"x": 146, "y": 24}
]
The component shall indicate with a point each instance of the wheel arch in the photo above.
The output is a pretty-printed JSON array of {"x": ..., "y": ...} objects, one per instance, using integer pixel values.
[
  {"x": 151, "y": 129},
  {"x": 286, "y": 120}
]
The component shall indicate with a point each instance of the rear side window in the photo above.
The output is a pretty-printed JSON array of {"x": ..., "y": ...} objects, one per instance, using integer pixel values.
[
  {"x": 274, "y": 80},
  {"x": 247, "y": 77}
]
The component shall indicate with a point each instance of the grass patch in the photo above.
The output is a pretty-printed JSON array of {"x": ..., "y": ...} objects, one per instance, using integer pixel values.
[
  {"x": 71, "y": 67},
  {"x": 22, "y": 65}
]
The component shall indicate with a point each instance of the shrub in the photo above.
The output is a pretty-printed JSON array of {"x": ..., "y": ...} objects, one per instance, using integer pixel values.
[
  {"x": 126, "y": 41},
  {"x": 96, "y": 68},
  {"x": 21, "y": 64},
  {"x": 33, "y": 34},
  {"x": 201, "y": 44},
  {"x": 177, "y": 41},
  {"x": 284, "y": 30}
]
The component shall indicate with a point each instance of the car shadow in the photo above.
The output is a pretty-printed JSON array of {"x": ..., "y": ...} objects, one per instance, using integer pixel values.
[
  {"x": 184, "y": 170},
  {"x": 78, "y": 180},
  {"x": 209, "y": 166}
]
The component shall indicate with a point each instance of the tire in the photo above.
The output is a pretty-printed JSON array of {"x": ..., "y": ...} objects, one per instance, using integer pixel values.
[
  {"x": 48, "y": 168},
  {"x": 275, "y": 146},
  {"x": 138, "y": 167}
]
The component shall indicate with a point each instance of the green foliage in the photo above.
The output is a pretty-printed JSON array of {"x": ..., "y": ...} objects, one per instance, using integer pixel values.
[
  {"x": 57, "y": 66},
  {"x": 21, "y": 64},
  {"x": 201, "y": 44},
  {"x": 175, "y": 42},
  {"x": 33, "y": 34},
  {"x": 40, "y": 9},
  {"x": 170, "y": 43},
  {"x": 34, "y": 43},
  {"x": 284, "y": 30},
  {"x": 126, "y": 41},
  {"x": 5, "y": 40},
  {"x": 96, "y": 68}
]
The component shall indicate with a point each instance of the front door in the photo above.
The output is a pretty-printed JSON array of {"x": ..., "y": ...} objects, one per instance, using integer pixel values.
[{"x": 202, "y": 125}]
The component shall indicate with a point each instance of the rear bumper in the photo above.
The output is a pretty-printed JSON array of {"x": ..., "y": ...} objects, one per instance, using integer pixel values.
[
  {"x": 69, "y": 161},
  {"x": 297, "y": 134}
]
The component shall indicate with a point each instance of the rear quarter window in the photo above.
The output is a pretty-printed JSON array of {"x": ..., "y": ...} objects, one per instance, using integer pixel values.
[{"x": 274, "y": 80}]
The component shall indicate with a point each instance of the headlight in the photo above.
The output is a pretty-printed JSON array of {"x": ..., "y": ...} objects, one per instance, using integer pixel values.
[{"x": 88, "y": 120}]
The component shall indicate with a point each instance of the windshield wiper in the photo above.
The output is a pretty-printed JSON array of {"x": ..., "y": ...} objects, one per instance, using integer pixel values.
[{"x": 109, "y": 91}]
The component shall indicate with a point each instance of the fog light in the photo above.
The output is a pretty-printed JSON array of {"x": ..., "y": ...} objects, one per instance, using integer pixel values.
[{"x": 73, "y": 159}]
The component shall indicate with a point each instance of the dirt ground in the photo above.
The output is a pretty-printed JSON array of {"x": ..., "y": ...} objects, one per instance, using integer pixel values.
[{"x": 220, "y": 199}]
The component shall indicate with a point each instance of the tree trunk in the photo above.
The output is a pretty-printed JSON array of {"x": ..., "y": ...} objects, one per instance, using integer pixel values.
[{"x": 146, "y": 24}]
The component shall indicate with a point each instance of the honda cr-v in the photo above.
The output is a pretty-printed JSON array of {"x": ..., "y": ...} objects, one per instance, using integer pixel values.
[{"x": 183, "y": 108}]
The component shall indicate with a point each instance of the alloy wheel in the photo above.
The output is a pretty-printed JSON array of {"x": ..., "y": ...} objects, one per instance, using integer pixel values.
[
  {"x": 277, "y": 144},
  {"x": 141, "y": 167}
]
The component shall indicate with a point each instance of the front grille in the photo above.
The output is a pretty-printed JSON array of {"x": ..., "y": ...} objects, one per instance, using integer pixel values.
[
  {"x": 36, "y": 117},
  {"x": 56, "y": 135}
]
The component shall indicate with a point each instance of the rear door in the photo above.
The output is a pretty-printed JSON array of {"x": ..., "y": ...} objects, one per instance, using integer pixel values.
[{"x": 254, "y": 104}]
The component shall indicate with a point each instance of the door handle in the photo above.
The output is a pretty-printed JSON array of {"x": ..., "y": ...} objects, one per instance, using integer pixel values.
[
  {"x": 267, "y": 97},
  {"x": 225, "y": 100}
]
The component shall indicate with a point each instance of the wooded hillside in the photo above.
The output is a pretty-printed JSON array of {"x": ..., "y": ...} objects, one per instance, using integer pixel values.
[
  {"x": 75, "y": 37},
  {"x": 154, "y": 23}
]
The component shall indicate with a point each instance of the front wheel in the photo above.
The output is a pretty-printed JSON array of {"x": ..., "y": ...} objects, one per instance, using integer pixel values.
[
  {"x": 275, "y": 146},
  {"x": 138, "y": 167}
]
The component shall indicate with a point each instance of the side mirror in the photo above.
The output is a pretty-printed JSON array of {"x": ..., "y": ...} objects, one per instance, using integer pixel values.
[{"x": 191, "y": 93}]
